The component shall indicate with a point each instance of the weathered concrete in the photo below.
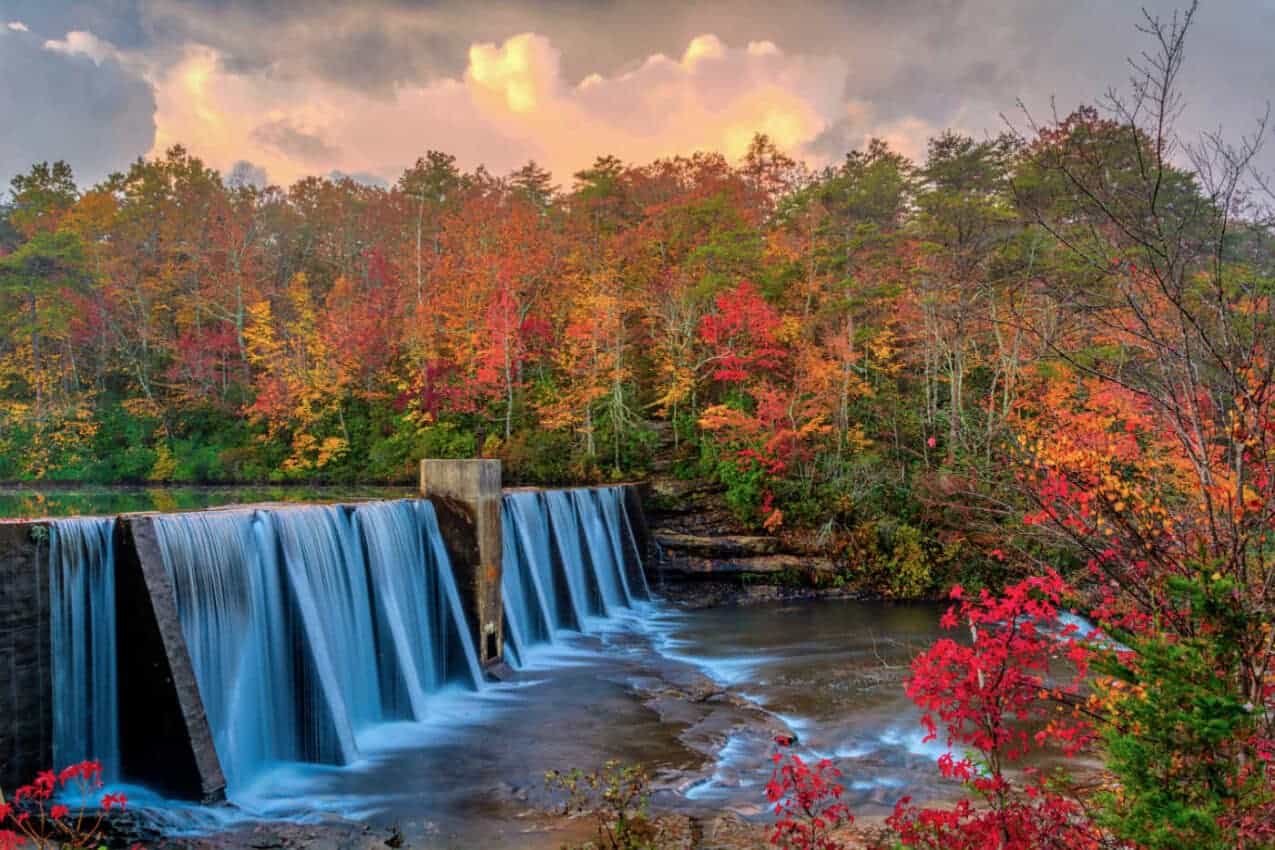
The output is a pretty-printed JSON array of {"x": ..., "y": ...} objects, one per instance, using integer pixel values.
[
  {"x": 165, "y": 740},
  {"x": 26, "y": 671},
  {"x": 466, "y": 495}
]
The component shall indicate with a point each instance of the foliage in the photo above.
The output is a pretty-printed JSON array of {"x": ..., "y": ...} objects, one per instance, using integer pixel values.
[
  {"x": 807, "y": 801},
  {"x": 38, "y": 815},
  {"x": 616, "y": 797}
]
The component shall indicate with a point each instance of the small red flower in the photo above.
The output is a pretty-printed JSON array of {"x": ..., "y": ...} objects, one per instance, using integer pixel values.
[{"x": 59, "y": 812}]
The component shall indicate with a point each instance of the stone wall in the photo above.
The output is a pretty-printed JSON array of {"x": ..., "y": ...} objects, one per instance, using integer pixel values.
[{"x": 26, "y": 673}]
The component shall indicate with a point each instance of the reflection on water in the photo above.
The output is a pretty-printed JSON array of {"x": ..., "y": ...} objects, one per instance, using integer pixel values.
[{"x": 25, "y": 502}]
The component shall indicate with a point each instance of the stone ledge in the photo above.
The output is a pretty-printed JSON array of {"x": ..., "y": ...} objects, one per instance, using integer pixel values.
[
  {"x": 717, "y": 546},
  {"x": 693, "y": 567}
]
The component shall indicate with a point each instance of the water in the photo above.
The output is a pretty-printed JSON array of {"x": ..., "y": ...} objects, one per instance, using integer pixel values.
[
  {"x": 696, "y": 696},
  {"x": 308, "y": 627},
  {"x": 570, "y": 558},
  {"x": 85, "y": 684},
  {"x": 831, "y": 672},
  {"x": 35, "y": 502},
  {"x": 331, "y": 652}
]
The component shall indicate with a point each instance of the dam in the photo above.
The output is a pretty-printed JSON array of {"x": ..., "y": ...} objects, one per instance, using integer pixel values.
[{"x": 191, "y": 652}]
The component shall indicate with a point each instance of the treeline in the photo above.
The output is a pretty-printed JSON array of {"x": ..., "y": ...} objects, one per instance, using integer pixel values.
[{"x": 851, "y": 350}]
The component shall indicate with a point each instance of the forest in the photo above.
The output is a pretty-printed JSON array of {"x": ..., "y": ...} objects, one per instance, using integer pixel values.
[
  {"x": 1032, "y": 373},
  {"x": 910, "y": 364}
]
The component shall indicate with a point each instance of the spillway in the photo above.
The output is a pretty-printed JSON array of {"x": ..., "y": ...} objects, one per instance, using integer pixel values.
[
  {"x": 569, "y": 557},
  {"x": 308, "y": 625},
  {"x": 83, "y": 642},
  {"x": 300, "y": 632}
]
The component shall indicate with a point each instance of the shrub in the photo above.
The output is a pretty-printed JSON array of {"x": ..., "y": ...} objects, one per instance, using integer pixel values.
[
  {"x": 617, "y": 797},
  {"x": 807, "y": 801},
  {"x": 37, "y": 816}
]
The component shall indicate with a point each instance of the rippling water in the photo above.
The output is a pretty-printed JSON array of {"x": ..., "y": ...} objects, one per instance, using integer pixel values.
[
  {"x": 697, "y": 696},
  {"x": 831, "y": 672}
]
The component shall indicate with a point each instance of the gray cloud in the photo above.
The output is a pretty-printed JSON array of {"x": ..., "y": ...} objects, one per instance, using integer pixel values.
[
  {"x": 97, "y": 117},
  {"x": 294, "y": 141},
  {"x": 923, "y": 63},
  {"x": 941, "y": 62}
]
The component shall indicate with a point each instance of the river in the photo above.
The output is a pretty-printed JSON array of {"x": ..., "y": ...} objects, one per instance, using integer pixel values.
[{"x": 696, "y": 696}]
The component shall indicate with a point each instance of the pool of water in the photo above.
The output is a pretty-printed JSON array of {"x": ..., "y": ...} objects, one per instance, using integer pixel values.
[
  {"x": 829, "y": 672},
  {"x": 696, "y": 696},
  {"x": 32, "y": 502}
]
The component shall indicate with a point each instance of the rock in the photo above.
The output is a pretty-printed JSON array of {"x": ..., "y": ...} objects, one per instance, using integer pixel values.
[
  {"x": 692, "y": 567},
  {"x": 498, "y": 672},
  {"x": 717, "y": 546},
  {"x": 673, "y": 489}
]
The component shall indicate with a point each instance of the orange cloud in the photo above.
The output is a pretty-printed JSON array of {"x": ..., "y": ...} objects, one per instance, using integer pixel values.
[{"x": 510, "y": 104}]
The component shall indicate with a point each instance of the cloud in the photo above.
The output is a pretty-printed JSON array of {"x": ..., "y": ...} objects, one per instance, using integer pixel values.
[
  {"x": 511, "y": 103},
  {"x": 80, "y": 43},
  {"x": 76, "y": 102},
  {"x": 293, "y": 142},
  {"x": 368, "y": 87},
  {"x": 17, "y": 26}
]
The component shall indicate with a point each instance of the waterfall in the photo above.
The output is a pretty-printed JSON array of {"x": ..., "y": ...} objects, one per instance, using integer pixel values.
[
  {"x": 421, "y": 634},
  {"x": 625, "y": 550},
  {"x": 82, "y": 601},
  {"x": 600, "y": 551},
  {"x": 568, "y": 555},
  {"x": 307, "y": 625}
]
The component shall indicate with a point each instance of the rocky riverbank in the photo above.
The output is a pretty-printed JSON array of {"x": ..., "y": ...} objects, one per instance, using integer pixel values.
[{"x": 694, "y": 537}]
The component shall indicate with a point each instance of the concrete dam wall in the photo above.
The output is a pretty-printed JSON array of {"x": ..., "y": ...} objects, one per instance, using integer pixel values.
[{"x": 189, "y": 652}]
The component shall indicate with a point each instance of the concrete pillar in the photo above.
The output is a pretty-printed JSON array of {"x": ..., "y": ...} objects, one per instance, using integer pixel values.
[
  {"x": 26, "y": 668},
  {"x": 466, "y": 495},
  {"x": 165, "y": 740}
]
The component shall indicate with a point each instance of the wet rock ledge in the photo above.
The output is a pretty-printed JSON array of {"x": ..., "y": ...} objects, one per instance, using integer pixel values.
[{"x": 695, "y": 537}]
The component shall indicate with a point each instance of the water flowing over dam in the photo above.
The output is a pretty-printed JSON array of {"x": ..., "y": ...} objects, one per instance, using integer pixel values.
[
  {"x": 289, "y": 635},
  {"x": 307, "y": 625},
  {"x": 570, "y": 556},
  {"x": 82, "y": 635}
]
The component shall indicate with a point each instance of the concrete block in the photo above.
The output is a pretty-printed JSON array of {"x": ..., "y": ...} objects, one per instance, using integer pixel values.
[{"x": 466, "y": 495}]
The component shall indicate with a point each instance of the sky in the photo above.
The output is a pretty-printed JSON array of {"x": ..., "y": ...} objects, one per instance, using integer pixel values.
[{"x": 273, "y": 90}]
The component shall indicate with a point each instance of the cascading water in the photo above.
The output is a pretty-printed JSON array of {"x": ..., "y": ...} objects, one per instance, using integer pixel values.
[
  {"x": 568, "y": 555},
  {"x": 623, "y": 540},
  {"x": 307, "y": 625},
  {"x": 85, "y": 684},
  {"x": 421, "y": 635}
]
